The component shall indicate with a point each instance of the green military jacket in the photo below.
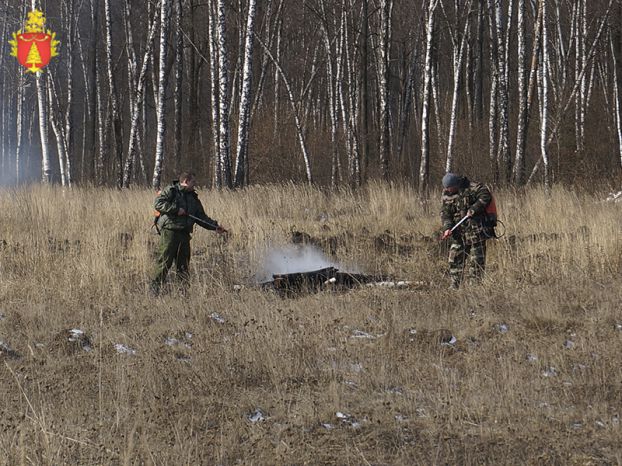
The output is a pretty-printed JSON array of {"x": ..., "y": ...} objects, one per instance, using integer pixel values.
[
  {"x": 171, "y": 199},
  {"x": 474, "y": 196}
]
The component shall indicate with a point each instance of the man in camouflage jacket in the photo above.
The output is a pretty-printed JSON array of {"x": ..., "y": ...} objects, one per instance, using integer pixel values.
[
  {"x": 174, "y": 204},
  {"x": 467, "y": 248}
]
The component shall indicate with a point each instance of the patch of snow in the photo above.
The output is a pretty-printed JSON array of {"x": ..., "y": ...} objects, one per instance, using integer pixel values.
[
  {"x": 78, "y": 336},
  {"x": 348, "y": 419},
  {"x": 395, "y": 391},
  {"x": 217, "y": 318},
  {"x": 256, "y": 416},
  {"x": 400, "y": 418},
  {"x": 7, "y": 350},
  {"x": 328, "y": 426},
  {"x": 452, "y": 341},
  {"x": 614, "y": 197},
  {"x": 503, "y": 328},
  {"x": 170, "y": 341},
  {"x": 124, "y": 349},
  {"x": 365, "y": 335},
  {"x": 569, "y": 344},
  {"x": 390, "y": 284}
]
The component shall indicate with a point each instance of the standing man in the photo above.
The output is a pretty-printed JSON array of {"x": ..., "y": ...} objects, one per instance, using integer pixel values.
[
  {"x": 179, "y": 208},
  {"x": 467, "y": 250}
]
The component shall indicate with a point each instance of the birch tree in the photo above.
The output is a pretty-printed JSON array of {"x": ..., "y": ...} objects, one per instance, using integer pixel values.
[
  {"x": 138, "y": 99},
  {"x": 544, "y": 95},
  {"x": 179, "y": 74},
  {"x": 386, "y": 8},
  {"x": 332, "y": 76},
  {"x": 616, "y": 99},
  {"x": 242, "y": 165},
  {"x": 424, "y": 166},
  {"x": 62, "y": 149},
  {"x": 223, "y": 178},
  {"x": 458, "y": 57},
  {"x": 364, "y": 92},
  {"x": 114, "y": 103},
  {"x": 165, "y": 20}
]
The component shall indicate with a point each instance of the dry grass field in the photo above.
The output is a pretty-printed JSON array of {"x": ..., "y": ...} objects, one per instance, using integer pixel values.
[{"x": 228, "y": 375}]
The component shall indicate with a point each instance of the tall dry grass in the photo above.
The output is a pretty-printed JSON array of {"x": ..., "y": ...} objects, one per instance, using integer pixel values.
[{"x": 533, "y": 377}]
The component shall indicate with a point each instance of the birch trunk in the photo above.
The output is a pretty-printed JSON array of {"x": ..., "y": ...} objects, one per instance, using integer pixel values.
[
  {"x": 19, "y": 116},
  {"x": 223, "y": 79},
  {"x": 504, "y": 156},
  {"x": 268, "y": 35},
  {"x": 544, "y": 100},
  {"x": 179, "y": 74},
  {"x": 493, "y": 115},
  {"x": 479, "y": 64},
  {"x": 242, "y": 163},
  {"x": 521, "y": 137},
  {"x": 616, "y": 97},
  {"x": 55, "y": 122},
  {"x": 519, "y": 162},
  {"x": 332, "y": 78},
  {"x": 277, "y": 81},
  {"x": 458, "y": 57},
  {"x": 424, "y": 167},
  {"x": 364, "y": 92},
  {"x": 165, "y": 22},
  {"x": 138, "y": 99},
  {"x": 215, "y": 94},
  {"x": 6, "y": 103},
  {"x": 116, "y": 118},
  {"x": 386, "y": 7},
  {"x": 69, "y": 112},
  {"x": 350, "y": 105}
]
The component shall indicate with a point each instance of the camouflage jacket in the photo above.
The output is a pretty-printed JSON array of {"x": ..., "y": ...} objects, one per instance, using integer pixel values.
[
  {"x": 474, "y": 196},
  {"x": 168, "y": 203}
]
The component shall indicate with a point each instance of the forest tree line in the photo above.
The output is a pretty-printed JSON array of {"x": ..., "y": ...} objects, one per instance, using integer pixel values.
[{"x": 333, "y": 92}]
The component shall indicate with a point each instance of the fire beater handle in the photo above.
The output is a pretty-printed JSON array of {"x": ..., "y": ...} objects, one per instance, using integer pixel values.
[
  {"x": 200, "y": 220},
  {"x": 460, "y": 222}
]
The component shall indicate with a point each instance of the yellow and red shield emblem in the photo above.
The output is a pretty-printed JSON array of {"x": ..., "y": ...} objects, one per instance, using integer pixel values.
[
  {"x": 34, "y": 47},
  {"x": 34, "y": 50}
]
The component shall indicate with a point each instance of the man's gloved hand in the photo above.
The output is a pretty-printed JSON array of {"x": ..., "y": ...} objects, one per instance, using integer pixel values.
[
  {"x": 446, "y": 234},
  {"x": 181, "y": 212},
  {"x": 470, "y": 213}
]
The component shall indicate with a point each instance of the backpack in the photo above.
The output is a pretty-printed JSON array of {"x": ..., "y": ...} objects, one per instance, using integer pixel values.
[
  {"x": 156, "y": 216},
  {"x": 490, "y": 218}
]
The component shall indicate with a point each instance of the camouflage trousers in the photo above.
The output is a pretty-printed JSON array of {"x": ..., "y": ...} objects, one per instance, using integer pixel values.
[
  {"x": 174, "y": 247},
  {"x": 466, "y": 261}
]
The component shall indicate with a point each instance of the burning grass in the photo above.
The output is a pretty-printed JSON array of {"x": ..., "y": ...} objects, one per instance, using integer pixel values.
[{"x": 522, "y": 369}]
